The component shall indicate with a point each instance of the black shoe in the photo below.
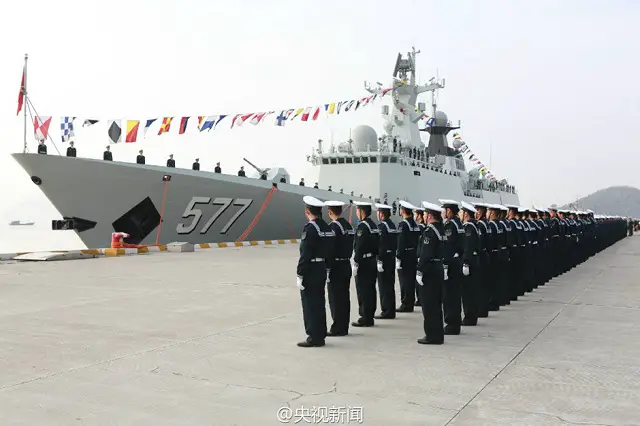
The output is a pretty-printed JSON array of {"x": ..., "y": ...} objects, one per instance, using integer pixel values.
[
  {"x": 404, "y": 308},
  {"x": 494, "y": 308},
  {"x": 385, "y": 316},
  {"x": 336, "y": 334},
  {"x": 308, "y": 344},
  {"x": 469, "y": 322},
  {"x": 362, "y": 323},
  {"x": 417, "y": 303},
  {"x": 427, "y": 341},
  {"x": 451, "y": 331},
  {"x": 483, "y": 315}
]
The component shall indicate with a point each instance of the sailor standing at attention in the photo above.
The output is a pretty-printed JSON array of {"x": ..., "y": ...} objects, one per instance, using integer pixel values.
[
  {"x": 339, "y": 275},
  {"x": 470, "y": 265},
  {"x": 484, "y": 270},
  {"x": 430, "y": 275},
  {"x": 312, "y": 272},
  {"x": 418, "y": 217},
  {"x": 406, "y": 257},
  {"x": 386, "y": 264},
  {"x": 452, "y": 248},
  {"x": 364, "y": 264}
]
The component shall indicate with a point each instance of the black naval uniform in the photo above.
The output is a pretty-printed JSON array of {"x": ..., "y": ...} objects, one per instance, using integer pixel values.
[
  {"x": 315, "y": 244},
  {"x": 554, "y": 246},
  {"x": 387, "y": 278},
  {"x": 422, "y": 227},
  {"x": 71, "y": 151},
  {"x": 430, "y": 268},
  {"x": 107, "y": 156},
  {"x": 516, "y": 249},
  {"x": 408, "y": 237},
  {"x": 470, "y": 282},
  {"x": 340, "y": 276},
  {"x": 195, "y": 166},
  {"x": 452, "y": 247},
  {"x": 140, "y": 159},
  {"x": 365, "y": 251},
  {"x": 507, "y": 242},
  {"x": 493, "y": 248},
  {"x": 484, "y": 270},
  {"x": 171, "y": 162},
  {"x": 42, "y": 149}
]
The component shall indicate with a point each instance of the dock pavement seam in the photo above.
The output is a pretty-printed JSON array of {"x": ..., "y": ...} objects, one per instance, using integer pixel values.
[
  {"x": 510, "y": 362},
  {"x": 142, "y": 352}
]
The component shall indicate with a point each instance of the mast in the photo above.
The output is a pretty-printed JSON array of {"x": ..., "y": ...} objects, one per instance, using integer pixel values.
[{"x": 26, "y": 103}]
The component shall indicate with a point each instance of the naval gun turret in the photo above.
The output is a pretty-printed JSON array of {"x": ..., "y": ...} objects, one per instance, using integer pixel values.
[{"x": 273, "y": 174}]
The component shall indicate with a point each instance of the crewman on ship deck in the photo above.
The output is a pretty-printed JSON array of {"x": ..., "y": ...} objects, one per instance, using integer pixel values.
[
  {"x": 315, "y": 244},
  {"x": 71, "y": 151},
  {"x": 140, "y": 158},
  {"x": 107, "y": 155},
  {"x": 196, "y": 164},
  {"x": 171, "y": 162}
]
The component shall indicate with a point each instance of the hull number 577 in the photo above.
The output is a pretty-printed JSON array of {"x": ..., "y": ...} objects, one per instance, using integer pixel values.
[{"x": 192, "y": 210}]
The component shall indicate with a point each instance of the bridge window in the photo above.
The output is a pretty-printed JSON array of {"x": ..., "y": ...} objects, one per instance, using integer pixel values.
[
  {"x": 365, "y": 159},
  {"x": 333, "y": 161},
  {"x": 349, "y": 160},
  {"x": 385, "y": 159},
  {"x": 341, "y": 160},
  {"x": 374, "y": 159},
  {"x": 394, "y": 159},
  {"x": 325, "y": 161},
  {"x": 356, "y": 160}
]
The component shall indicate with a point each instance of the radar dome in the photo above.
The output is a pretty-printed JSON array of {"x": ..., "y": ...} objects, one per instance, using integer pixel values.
[
  {"x": 441, "y": 118},
  {"x": 457, "y": 143},
  {"x": 364, "y": 139}
]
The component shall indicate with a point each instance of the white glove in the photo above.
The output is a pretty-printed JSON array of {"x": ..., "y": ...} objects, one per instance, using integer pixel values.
[
  {"x": 446, "y": 273},
  {"x": 398, "y": 264},
  {"x": 380, "y": 268},
  {"x": 299, "y": 283},
  {"x": 465, "y": 270},
  {"x": 419, "y": 278},
  {"x": 328, "y": 272},
  {"x": 354, "y": 267}
]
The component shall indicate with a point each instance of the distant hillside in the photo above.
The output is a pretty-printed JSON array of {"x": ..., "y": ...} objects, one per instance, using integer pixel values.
[{"x": 615, "y": 200}]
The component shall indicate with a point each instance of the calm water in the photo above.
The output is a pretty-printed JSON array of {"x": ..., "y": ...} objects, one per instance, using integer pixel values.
[{"x": 37, "y": 237}]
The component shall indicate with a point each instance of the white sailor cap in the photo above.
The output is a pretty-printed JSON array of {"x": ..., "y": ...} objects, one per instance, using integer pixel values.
[
  {"x": 448, "y": 203},
  {"x": 383, "y": 206},
  {"x": 407, "y": 205},
  {"x": 481, "y": 205},
  {"x": 553, "y": 207},
  {"x": 468, "y": 207},
  {"x": 431, "y": 207},
  {"x": 334, "y": 203},
  {"x": 512, "y": 207},
  {"x": 362, "y": 204},
  {"x": 590, "y": 211},
  {"x": 504, "y": 208},
  {"x": 522, "y": 210},
  {"x": 312, "y": 201}
]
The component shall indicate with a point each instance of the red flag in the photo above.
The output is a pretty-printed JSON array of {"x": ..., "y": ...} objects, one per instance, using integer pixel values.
[
  {"x": 21, "y": 94},
  {"x": 183, "y": 125},
  {"x": 315, "y": 114}
]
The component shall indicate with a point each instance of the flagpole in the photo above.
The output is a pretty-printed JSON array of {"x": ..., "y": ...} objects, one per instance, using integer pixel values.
[{"x": 26, "y": 104}]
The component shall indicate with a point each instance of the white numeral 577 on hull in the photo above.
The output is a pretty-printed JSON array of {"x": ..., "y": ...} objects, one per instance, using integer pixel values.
[{"x": 196, "y": 213}]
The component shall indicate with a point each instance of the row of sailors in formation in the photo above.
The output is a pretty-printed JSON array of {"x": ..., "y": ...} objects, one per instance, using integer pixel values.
[{"x": 451, "y": 259}]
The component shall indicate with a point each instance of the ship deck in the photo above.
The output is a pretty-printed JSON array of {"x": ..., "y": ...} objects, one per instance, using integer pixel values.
[{"x": 200, "y": 338}]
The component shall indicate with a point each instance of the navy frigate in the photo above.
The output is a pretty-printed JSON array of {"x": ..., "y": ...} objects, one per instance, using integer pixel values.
[{"x": 155, "y": 204}]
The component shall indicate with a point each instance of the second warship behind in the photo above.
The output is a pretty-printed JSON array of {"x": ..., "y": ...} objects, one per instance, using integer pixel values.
[{"x": 155, "y": 204}]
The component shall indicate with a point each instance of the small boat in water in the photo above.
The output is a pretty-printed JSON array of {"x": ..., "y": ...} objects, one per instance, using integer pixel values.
[{"x": 21, "y": 222}]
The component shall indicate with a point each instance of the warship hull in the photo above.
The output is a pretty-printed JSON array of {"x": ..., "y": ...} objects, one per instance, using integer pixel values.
[{"x": 103, "y": 197}]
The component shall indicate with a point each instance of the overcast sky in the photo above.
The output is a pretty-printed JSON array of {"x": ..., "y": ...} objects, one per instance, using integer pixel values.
[{"x": 547, "y": 91}]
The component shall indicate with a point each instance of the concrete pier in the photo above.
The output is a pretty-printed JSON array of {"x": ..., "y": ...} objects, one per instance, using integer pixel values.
[{"x": 208, "y": 338}]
